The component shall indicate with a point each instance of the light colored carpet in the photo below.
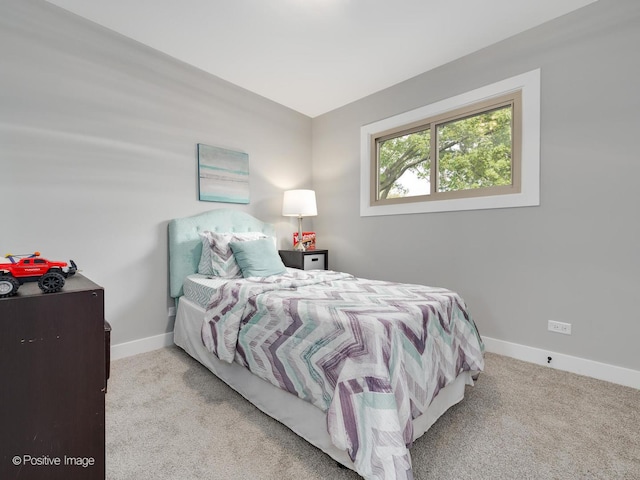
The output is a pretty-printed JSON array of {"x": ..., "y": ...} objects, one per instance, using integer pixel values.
[{"x": 170, "y": 418}]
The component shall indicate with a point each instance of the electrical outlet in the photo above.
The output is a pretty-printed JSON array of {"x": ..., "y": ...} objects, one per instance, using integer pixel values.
[
  {"x": 559, "y": 327},
  {"x": 171, "y": 312}
]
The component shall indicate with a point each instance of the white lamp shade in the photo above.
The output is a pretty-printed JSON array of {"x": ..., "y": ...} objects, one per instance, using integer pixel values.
[{"x": 299, "y": 203}]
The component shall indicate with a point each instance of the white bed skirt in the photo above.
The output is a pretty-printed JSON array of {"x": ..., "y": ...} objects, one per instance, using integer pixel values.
[{"x": 304, "y": 418}]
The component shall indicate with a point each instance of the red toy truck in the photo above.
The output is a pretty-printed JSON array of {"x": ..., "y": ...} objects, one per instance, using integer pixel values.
[{"x": 32, "y": 268}]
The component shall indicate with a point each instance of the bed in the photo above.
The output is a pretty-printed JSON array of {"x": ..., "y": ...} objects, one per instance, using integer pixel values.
[{"x": 364, "y": 407}]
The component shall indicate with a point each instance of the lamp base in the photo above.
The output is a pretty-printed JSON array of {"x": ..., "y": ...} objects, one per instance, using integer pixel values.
[{"x": 300, "y": 246}]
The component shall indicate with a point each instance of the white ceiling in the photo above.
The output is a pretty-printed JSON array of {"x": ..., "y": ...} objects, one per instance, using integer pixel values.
[{"x": 317, "y": 55}]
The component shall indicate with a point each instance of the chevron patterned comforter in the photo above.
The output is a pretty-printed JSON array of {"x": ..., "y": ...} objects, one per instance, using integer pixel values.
[{"x": 372, "y": 354}]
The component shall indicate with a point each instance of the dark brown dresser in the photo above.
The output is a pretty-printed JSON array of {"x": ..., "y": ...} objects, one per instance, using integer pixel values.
[{"x": 53, "y": 368}]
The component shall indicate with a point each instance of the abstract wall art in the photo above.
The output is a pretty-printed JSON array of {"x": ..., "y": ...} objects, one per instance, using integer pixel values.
[{"x": 223, "y": 175}]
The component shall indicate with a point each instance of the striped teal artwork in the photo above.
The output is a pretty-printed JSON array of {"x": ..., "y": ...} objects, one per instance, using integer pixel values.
[{"x": 223, "y": 175}]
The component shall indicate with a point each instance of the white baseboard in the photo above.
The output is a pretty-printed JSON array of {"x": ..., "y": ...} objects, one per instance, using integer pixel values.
[
  {"x": 143, "y": 345},
  {"x": 560, "y": 361},
  {"x": 568, "y": 363}
]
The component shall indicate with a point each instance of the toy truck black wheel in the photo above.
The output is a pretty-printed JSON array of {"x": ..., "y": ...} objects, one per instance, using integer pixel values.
[
  {"x": 8, "y": 286},
  {"x": 51, "y": 282}
]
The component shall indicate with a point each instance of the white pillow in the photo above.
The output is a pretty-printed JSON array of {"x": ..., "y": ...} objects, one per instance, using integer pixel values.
[{"x": 217, "y": 257}]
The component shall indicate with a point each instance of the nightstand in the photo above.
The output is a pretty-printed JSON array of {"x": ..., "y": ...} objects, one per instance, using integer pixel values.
[{"x": 307, "y": 260}]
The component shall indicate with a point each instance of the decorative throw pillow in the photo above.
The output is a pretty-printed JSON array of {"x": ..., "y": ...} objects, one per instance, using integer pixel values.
[
  {"x": 258, "y": 258},
  {"x": 217, "y": 258}
]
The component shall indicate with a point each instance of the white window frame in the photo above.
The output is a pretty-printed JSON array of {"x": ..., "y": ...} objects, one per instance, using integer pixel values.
[{"x": 529, "y": 195}]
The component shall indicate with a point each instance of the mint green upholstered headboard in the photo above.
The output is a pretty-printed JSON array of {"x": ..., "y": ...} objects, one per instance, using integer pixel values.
[{"x": 185, "y": 246}]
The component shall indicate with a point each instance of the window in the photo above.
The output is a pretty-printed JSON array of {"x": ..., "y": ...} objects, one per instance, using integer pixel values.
[{"x": 468, "y": 152}]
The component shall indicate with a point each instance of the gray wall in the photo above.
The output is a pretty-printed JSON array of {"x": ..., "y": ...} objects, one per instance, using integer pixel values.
[
  {"x": 98, "y": 142},
  {"x": 576, "y": 257}
]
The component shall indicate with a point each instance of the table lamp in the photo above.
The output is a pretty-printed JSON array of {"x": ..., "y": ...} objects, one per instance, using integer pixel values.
[{"x": 299, "y": 203}]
